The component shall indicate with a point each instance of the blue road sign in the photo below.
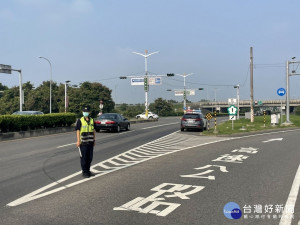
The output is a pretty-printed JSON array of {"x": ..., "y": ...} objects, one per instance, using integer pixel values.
[{"x": 281, "y": 91}]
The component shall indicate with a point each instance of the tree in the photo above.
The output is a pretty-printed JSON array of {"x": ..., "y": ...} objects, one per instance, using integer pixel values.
[
  {"x": 3, "y": 87},
  {"x": 39, "y": 99},
  {"x": 90, "y": 94},
  {"x": 130, "y": 110},
  {"x": 172, "y": 101},
  {"x": 10, "y": 102},
  {"x": 162, "y": 107}
]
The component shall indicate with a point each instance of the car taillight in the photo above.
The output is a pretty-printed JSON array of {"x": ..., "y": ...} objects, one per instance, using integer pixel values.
[
  {"x": 199, "y": 119},
  {"x": 97, "y": 122},
  {"x": 183, "y": 119},
  {"x": 110, "y": 122}
]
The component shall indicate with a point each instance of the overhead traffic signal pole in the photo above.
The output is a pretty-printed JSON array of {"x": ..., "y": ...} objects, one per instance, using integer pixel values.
[
  {"x": 184, "y": 91},
  {"x": 146, "y": 83}
]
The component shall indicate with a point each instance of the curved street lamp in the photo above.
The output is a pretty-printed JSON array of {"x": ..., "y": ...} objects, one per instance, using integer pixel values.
[{"x": 41, "y": 57}]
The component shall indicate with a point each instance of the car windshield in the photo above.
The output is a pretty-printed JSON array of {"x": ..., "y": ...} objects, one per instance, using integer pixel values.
[{"x": 191, "y": 116}]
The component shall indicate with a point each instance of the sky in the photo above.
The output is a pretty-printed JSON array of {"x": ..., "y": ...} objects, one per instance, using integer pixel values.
[{"x": 93, "y": 40}]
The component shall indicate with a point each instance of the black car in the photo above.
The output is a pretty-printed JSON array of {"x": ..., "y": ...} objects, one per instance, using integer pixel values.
[
  {"x": 112, "y": 122},
  {"x": 193, "y": 121}
]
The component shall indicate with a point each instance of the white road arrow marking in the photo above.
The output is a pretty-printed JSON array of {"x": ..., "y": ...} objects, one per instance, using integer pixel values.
[{"x": 274, "y": 139}]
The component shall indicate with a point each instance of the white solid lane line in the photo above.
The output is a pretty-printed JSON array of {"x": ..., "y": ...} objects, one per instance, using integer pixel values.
[
  {"x": 61, "y": 146},
  {"x": 159, "y": 125},
  {"x": 125, "y": 132},
  {"x": 287, "y": 214},
  {"x": 66, "y": 145}
]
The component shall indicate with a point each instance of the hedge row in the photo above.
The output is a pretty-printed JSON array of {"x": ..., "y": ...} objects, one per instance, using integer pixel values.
[{"x": 12, "y": 123}]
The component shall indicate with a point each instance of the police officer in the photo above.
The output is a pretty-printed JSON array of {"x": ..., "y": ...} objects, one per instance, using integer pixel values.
[{"x": 85, "y": 134}]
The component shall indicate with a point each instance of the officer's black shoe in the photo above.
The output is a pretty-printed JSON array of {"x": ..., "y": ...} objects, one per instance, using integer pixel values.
[
  {"x": 91, "y": 174},
  {"x": 85, "y": 175}
]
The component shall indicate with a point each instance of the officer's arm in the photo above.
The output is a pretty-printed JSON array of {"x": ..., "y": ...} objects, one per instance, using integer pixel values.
[
  {"x": 94, "y": 137},
  {"x": 78, "y": 126},
  {"x": 78, "y": 138}
]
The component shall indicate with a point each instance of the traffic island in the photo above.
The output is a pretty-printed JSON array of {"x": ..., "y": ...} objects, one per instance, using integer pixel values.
[{"x": 260, "y": 124}]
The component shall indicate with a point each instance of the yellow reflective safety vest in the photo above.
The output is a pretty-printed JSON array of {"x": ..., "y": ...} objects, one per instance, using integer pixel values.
[{"x": 86, "y": 131}]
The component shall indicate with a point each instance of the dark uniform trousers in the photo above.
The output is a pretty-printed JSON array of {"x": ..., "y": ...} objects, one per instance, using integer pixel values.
[{"x": 87, "y": 157}]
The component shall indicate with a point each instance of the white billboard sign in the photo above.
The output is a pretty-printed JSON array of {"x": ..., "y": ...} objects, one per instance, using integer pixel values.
[
  {"x": 137, "y": 81},
  {"x": 180, "y": 92},
  {"x": 151, "y": 81},
  {"x": 155, "y": 80},
  {"x": 232, "y": 101},
  {"x": 190, "y": 92}
]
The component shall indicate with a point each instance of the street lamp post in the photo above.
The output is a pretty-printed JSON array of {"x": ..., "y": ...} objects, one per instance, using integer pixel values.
[
  {"x": 66, "y": 86},
  {"x": 41, "y": 57},
  {"x": 146, "y": 84},
  {"x": 238, "y": 100}
]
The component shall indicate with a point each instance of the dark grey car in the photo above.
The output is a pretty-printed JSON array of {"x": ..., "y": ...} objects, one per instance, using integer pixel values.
[
  {"x": 111, "y": 121},
  {"x": 193, "y": 121}
]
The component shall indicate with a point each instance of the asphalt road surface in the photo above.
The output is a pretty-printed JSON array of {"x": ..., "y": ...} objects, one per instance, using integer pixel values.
[{"x": 153, "y": 174}]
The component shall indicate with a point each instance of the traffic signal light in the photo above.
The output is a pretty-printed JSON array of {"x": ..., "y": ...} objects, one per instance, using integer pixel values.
[
  {"x": 146, "y": 84},
  {"x": 170, "y": 74},
  {"x": 123, "y": 77}
]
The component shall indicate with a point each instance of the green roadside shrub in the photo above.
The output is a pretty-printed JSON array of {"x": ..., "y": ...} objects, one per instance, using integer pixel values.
[
  {"x": 298, "y": 110},
  {"x": 12, "y": 123}
]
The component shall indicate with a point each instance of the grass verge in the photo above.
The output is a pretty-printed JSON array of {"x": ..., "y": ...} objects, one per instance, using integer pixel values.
[{"x": 245, "y": 126}]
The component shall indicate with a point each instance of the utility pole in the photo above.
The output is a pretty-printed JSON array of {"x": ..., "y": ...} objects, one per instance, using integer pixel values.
[
  {"x": 288, "y": 74},
  {"x": 287, "y": 104},
  {"x": 238, "y": 100},
  {"x": 251, "y": 86}
]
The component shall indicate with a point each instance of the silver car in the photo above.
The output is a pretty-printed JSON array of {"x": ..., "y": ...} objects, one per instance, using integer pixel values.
[{"x": 193, "y": 121}]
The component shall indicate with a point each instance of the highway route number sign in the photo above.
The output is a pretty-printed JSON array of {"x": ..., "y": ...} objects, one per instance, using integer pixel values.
[{"x": 232, "y": 110}]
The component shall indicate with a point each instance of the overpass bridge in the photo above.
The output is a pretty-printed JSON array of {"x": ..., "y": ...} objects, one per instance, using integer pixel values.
[{"x": 223, "y": 105}]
